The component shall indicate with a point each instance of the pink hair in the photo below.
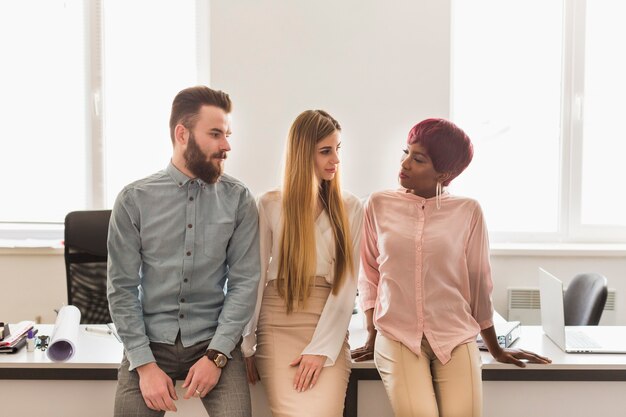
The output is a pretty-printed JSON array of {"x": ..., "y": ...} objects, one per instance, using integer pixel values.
[{"x": 448, "y": 147}]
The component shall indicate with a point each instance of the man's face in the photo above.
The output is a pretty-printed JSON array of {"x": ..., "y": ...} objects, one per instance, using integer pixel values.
[{"x": 207, "y": 144}]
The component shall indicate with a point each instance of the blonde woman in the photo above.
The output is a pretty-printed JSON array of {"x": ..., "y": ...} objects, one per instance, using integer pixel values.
[{"x": 310, "y": 233}]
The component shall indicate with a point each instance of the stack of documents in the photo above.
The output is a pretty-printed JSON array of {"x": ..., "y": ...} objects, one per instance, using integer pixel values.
[
  {"x": 506, "y": 331},
  {"x": 14, "y": 341}
]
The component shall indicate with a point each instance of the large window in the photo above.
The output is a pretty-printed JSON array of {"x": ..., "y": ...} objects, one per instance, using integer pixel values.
[
  {"x": 42, "y": 109},
  {"x": 86, "y": 89},
  {"x": 540, "y": 94},
  {"x": 602, "y": 106}
]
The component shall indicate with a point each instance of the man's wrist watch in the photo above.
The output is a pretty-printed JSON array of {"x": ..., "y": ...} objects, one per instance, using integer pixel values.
[{"x": 218, "y": 358}]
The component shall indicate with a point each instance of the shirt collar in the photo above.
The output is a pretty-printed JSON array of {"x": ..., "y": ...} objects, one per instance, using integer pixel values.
[
  {"x": 178, "y": 177},
  {"x": 410, "y": 196},
  {"x": 181, "y": 179}
]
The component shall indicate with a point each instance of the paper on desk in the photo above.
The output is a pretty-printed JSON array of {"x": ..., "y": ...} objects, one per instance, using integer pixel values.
[
  {"x": 64, "y": 335},
  {"x": 17, "y": 331}
]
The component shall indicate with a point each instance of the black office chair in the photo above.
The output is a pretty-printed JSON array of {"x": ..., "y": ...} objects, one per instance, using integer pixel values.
[
  {"x": 584, "y": 299},
  {"x": 86, "y": 263}
]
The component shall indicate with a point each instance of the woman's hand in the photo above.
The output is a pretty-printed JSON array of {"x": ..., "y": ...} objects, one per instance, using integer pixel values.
[
  {"x": 309, "y": 369},
  {"x": 365, "y": 352},
  {"x": 251, "y": 371},
  {"x": 515, "y": 356}
]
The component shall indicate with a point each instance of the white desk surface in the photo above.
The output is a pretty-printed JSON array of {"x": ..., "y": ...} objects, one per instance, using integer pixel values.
[
  {"x": 92, "y": 382},
  {"x": 102, "y": 351},
  {"x": 93, "y": 351},
  {"x": 532, "y": 338}
]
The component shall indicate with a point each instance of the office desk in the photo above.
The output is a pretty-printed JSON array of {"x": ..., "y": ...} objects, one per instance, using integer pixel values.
[
  {"x": 572, "y": 385},
  {"x": 33, "y": 386}
]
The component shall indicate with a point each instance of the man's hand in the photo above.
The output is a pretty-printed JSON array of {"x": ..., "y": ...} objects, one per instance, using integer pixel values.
[
  {"x": 156, "y": 388},
  {"x": 202, "y": 378}
]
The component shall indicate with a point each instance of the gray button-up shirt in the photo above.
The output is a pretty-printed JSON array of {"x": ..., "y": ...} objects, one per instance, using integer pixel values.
[{"x": 183, "y": 257}]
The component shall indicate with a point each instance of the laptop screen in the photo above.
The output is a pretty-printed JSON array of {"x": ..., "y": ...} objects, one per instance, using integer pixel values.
[{"x": 552, "y": 312}]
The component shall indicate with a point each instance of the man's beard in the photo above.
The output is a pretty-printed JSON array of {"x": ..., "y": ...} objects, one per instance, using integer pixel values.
[{"x": 196, "y": 161}]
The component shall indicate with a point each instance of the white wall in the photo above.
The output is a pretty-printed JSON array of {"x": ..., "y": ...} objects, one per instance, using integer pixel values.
[
  {"x": 377, "y": 67},
  {"x": 32, "y": 284},
  {"x": 521, "y": 271}
]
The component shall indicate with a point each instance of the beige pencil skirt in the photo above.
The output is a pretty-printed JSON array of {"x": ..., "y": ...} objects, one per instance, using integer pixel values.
[{"x": 281, "y": 338}]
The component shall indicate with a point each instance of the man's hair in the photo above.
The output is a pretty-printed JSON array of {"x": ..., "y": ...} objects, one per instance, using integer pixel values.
[
  {"x": 448, "y": 147},
  {"x": 187, "y": 104},
  {"x": 300, "y": 194}
]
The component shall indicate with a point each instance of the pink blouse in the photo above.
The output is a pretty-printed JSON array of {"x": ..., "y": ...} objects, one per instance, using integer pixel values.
[{"x": 426, "y": 271}]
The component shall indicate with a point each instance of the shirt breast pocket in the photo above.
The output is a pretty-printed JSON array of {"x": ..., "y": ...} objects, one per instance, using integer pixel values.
[{"x": 216, "y": 238}]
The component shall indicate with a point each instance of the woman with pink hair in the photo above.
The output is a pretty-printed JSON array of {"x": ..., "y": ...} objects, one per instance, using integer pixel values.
[{"x": 425, "y": 282}]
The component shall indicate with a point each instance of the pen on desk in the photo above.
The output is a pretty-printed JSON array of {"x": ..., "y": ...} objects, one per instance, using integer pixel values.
[
  {"x": 111, "y": 326},
  {"x": 98, "y": 330}
]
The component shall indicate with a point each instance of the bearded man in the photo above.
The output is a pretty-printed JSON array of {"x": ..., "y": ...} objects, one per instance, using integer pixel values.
[{"x": 183, "y": 270}]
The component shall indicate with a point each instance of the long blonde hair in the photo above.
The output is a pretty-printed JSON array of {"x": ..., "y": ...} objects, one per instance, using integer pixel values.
[{"x": 301, "y": 191}]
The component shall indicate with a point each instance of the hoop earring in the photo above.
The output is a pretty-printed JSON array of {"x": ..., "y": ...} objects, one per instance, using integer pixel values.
[{"x": 438, "y": 192}]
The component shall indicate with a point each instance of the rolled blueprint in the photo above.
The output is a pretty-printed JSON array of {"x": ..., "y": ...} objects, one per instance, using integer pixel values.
[{"x": 64, "y": 335}]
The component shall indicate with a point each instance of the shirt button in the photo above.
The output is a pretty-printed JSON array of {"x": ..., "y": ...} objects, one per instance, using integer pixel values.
[
  {"x": 182, "y": 300},
  {"x": 419, "y": 248},
  {"x": 185, "y": 280},
  {"x": 182, "y": 316},
  {"x": 190, "y": 198},
  {"x": 190, "y": 226},
  {"x": 188, "y": 253}
]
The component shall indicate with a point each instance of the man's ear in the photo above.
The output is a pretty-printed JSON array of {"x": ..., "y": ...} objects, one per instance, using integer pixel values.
[{"x": 181, "y": 134}]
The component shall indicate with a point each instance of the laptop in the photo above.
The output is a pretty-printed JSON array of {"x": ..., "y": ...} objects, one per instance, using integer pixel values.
[{"x": 573, "y": 339}]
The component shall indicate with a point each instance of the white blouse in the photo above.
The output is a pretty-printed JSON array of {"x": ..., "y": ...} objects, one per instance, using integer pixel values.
[{"x": 330, "y": 332}]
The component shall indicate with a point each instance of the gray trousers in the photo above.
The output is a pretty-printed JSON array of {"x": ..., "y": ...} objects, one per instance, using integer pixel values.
[{"x": 229, "y": 398}]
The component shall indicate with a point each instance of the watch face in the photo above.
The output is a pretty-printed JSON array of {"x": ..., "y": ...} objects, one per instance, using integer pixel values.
[{"x": 220, "y": 360}]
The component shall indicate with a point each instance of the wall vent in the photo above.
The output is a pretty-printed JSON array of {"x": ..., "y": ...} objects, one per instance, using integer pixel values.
[{"x": 524, "y": 305}]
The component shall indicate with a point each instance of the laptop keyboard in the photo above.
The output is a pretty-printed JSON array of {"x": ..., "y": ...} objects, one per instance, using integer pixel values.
[{"x": 580, "y": 340}]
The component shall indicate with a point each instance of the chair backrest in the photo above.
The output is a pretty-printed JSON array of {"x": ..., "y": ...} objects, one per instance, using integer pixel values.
[
  {"x": 584, "y": 299},
  {"x": 86, "y": 263}
]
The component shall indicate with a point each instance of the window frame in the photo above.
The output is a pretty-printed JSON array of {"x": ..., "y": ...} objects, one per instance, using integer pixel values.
[
  {"x": 25, "y": 233},
  {"x": 570, "y": 228}
]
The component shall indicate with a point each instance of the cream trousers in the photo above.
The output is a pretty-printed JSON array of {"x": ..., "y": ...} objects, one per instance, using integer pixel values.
[{"x": 421, "y": 386}]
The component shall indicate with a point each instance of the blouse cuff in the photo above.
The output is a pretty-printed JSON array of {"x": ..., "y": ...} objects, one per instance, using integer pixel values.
[
  {"x": 367, "y": 304},
  {"x": 248, "y": 346},
  {"x": 329, "y": 360},
  {"x": 485, "y": 324}
]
